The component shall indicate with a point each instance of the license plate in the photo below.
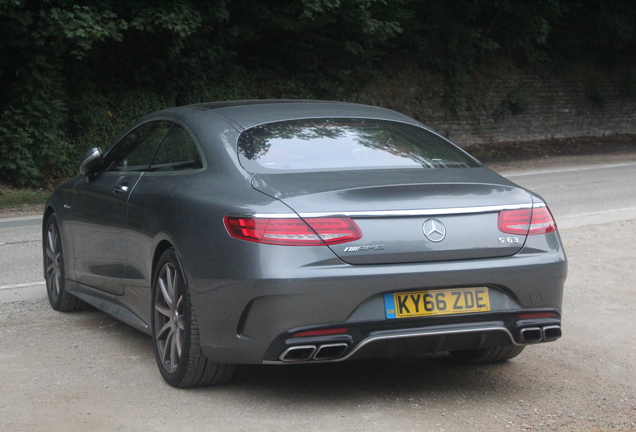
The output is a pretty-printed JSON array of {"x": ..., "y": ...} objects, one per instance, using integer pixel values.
[{"x": 436, "y": 302}]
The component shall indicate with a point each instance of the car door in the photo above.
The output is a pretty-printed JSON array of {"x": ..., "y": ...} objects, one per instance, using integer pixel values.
[
  {"x": 100, "y": 206},
  {"x": 156, "y": 208}
]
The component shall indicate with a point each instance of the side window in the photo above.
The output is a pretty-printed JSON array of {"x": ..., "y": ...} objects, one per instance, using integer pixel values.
[
  {"x": 134, "y": 152},
  {"x": 177, "y": 152}
]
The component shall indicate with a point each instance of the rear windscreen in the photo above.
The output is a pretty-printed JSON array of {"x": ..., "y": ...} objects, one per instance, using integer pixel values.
[{"x": 342, "y": 144}]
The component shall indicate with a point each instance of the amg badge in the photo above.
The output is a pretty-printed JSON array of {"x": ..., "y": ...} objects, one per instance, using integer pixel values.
[{"x": 363, "y": 248}]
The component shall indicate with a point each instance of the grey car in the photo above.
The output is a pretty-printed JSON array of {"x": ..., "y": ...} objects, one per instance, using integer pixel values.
[{"x": 290, "y": 232}]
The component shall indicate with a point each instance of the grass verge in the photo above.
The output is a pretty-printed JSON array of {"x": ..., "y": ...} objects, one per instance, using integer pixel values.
[{"x": 17, "y": 198}]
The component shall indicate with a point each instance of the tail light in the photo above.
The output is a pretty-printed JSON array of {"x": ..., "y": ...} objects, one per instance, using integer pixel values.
[
  {"x": 533, "y": 221},
  {"x": 293, "y": 232}
]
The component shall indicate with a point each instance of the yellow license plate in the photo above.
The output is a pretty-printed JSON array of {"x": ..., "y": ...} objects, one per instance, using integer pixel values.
[{"x": 436, "y": 302}]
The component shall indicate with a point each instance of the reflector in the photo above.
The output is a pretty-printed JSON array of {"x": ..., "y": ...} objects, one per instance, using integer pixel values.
[
  {"x": 537, "y": 315},
  {"x": 321, "y": 332}
]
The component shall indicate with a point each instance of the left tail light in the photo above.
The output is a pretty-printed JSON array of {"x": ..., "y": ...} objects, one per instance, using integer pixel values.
[
  {"x": 293, "y": 232},
  {"x": 537, "y": 220}
]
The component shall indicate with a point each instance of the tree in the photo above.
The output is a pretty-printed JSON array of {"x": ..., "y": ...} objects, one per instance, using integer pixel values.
[{"x": 75, "y": 73}]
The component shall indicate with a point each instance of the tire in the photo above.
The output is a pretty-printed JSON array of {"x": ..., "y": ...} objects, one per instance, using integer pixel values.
[
  {"x": 53, "y": 253},
  {"x": 175, "y": 331},
  {"x": 488, "y": 355}
]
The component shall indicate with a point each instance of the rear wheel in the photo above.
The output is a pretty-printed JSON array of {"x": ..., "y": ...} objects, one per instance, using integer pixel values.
[
  {"x": 54, "y": 269},
  {"x": 175, "y": 331},
  {"x": 488, "y": 355}
]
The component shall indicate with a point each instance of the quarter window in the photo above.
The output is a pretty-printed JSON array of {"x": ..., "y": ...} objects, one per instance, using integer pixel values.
[{"x": 178, "y": 152}]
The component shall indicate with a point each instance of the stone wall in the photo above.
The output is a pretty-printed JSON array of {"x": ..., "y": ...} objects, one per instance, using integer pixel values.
[{"x": 509, "y": 104}]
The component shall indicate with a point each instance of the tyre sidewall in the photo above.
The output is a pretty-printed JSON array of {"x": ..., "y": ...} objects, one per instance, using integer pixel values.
[
  {"x": 55, "y": 303},
  {"x": 173, "y": 378}
]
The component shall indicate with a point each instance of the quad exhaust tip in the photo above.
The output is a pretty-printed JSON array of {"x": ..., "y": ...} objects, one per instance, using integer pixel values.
[
  {"x": 540, "y": 334},
  {"x": 551, "y": 333},
  {"x": 330, "y": 351},
  {"x": 298, "y": 353},
  {"x": 312, "y": 352},
  {"x": 531, "y": 335},
  {"x": 325, "y": 352}
]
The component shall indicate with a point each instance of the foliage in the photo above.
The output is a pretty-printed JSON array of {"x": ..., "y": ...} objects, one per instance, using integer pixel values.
[
  {"x": 75, "y": 73},
  {"x": 15, "y": 198},
  {"x": 516, "y": 102}
]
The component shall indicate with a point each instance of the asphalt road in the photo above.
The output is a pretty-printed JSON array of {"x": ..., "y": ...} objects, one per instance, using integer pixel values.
[
  {"x": 584, "y": 194},
  {"x": 21, "y": 259},
  {"x": 86, "y": 371}
]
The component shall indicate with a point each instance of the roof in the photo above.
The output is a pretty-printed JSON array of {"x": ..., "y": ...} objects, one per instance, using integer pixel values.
[{"x": 249, "y": 113}]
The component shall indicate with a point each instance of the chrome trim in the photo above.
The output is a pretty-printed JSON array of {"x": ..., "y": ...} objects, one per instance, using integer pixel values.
[
  {"x": 295, "y": 348},
  {"x": 422, "y": 212},
  {"x": 434, "y": 230},
  {"x": 551, "y": 327},
  {"x": 269, "y": 215},
  {"x": 523, "y": 331},
  {"x": 404, "y": 335},
  {"x": 316, "y": 356},
  {"x": 403, "y": 213}
]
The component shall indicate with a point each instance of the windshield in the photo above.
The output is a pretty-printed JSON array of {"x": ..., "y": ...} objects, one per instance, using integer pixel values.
[{"x": 343, "y": 144}]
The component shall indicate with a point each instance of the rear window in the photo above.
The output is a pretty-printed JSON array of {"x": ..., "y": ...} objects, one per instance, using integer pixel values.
[{"x": 343, "y": 144}]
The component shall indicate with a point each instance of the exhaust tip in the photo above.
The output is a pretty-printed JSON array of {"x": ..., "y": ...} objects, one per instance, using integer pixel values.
[
  {"x": 330, "y": 351},
  {"x": 298, "y": 353},
  {"x": 551, "y": 333},
  {"x": 531, "y": 335}
]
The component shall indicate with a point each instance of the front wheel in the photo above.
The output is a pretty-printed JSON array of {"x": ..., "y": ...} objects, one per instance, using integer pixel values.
[
  {"x": 53, "y": 253},
  {"x": 488, "y": 355},
  {"x": 175, "y": 331}
]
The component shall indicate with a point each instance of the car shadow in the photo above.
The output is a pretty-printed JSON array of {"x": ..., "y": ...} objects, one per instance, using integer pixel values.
[
  {"x": 396, "y": 377},
  {"x": 392, "y": 377}
]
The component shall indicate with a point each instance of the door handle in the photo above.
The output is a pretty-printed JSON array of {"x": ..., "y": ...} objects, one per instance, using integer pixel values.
[{"x": 120, "y": 188}]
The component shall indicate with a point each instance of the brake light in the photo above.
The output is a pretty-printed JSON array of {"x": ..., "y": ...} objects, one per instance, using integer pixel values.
[
  {"x": 293, "y": 231},
  {"x": 542, "y": 221},
  {"x": 515, "y": 221},
  {"x": 533, "y": 221}
]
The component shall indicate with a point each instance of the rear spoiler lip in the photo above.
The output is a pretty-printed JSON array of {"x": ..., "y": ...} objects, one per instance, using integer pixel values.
[{"x": 399, "y": 213}]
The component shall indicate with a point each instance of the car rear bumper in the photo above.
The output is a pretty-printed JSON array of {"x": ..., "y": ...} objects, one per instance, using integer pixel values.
[
  {"x": 376, "y": 340},
  {"x": 244, "y": 319}
]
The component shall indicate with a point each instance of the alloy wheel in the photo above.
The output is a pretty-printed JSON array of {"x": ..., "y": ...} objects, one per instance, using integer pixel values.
[
  {"x": 54, "y": 263},
  {"x": 169, "y": 317}
]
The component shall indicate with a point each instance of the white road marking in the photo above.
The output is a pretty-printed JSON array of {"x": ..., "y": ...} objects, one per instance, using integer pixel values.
[
  {"x": 598, "y": 213},
  {"x": 22, "y": 285},
  {"x": 21, "y": 242},
  {"x": 565, "y": 170}
]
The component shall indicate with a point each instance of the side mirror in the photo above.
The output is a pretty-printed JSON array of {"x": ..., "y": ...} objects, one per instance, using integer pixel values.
[{"x": 91, "y": 160}]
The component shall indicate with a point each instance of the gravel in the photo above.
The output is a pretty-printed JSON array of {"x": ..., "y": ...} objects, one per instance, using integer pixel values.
[{"x": 86, "y": 371}]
